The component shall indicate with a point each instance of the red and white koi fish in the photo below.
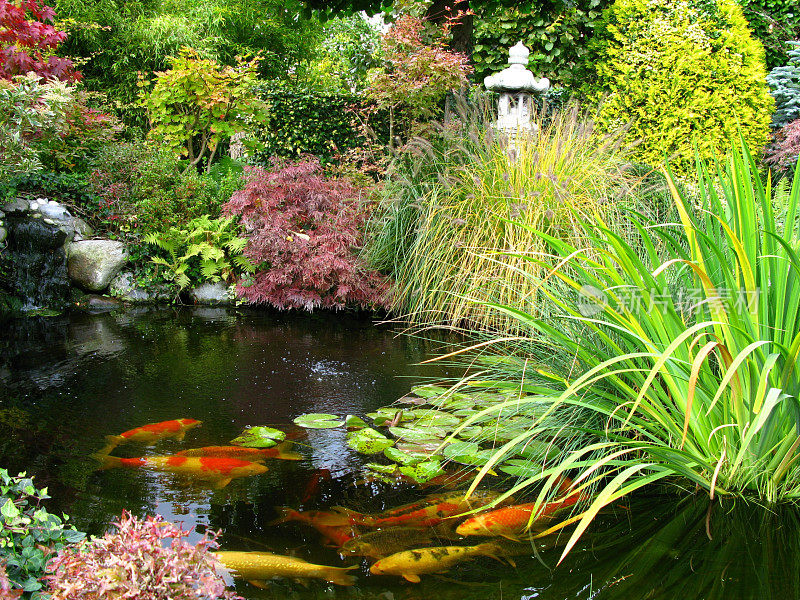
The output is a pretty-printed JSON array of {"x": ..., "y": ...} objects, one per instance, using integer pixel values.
[{"x": 218, "y": 471}]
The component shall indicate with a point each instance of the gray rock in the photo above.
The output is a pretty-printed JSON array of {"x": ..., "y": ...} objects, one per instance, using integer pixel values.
[
  {"x": 56, "y": 212},
  {"x": 3, "y": 234},
  {"x": 92, "y": 264},
  {"x": 81, "y": 227},
  {"x": 211, "y": 294},
  {"x": 16, "y": 206},
  {"x": 124, "y": 287}
]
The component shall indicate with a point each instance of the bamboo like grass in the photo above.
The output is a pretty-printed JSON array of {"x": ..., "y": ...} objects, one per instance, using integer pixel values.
[
  {"x": 446, "y": 242},
  {"x": 698, "y": 388}
]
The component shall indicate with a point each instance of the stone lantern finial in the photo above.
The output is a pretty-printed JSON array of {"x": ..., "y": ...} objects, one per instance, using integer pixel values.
[{"x": 515, "y": 84}]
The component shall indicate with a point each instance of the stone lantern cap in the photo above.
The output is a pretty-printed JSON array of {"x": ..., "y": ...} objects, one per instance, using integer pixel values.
[{"x": 516, "y": 78}]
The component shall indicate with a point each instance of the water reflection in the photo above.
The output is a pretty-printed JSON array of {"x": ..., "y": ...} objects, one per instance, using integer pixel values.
[{"x": 66, "y": 382}]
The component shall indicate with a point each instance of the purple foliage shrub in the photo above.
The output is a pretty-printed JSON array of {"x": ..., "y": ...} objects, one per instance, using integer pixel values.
[
  {"x": 785, "y": 150},
  {"x": 144, "y": 559},
  {"x": 304, "y": 230}
]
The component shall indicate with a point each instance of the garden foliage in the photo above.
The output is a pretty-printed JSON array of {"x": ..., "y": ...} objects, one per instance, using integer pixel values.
[
  {"x": 682, "y": 348},
  {"x": 28, "y": 41},
  {"x": 441, "y": 232},
  {"x": 141, "y": 188},
  {"x": 785, "y": 83},
  {"x": 773, "y": 22},
  {"x": 148, "y": 559},
  {"x": 303, "y": 233},
  {"x": 557, "y": 34},
  {"x": 417, "y": 73},
  {"x": 29, "y": 535},
  {"x": 785, "y": 150},
  {"x": 203, "y": 250},
  {"x": 682, "y": 75},
  {"x": 197, "y": 104}
]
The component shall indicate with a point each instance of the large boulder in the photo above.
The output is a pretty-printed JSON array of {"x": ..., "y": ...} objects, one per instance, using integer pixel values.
[
  {"x": 92, "y": 264},
  {"x": 211, "y": 294}
]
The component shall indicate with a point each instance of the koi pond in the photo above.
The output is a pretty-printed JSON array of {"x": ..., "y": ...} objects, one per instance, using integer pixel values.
[{"x": 67, "y": 382}]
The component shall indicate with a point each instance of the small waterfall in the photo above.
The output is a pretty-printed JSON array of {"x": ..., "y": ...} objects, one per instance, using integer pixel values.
[{"x": 38, "y": 263}]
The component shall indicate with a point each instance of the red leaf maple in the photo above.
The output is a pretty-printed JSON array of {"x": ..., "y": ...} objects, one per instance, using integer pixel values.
[
  {"x": 28, "y": 41},
  {"x": 304, "y": 231}
]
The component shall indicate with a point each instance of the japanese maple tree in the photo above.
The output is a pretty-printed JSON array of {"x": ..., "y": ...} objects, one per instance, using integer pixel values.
[
  {"x": 304, "y": 231},
  {"x": 28, "y": 41}
]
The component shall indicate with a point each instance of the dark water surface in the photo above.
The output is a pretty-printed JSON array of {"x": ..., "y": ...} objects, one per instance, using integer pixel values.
[{"x": 65, "y": 382}]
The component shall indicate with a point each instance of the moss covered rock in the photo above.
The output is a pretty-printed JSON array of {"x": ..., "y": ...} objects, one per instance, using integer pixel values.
[{"x": 681, "y": 74}]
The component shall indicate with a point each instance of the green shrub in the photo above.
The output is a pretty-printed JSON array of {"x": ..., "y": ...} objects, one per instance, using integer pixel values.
[
  {"x": 774, "y": 22},
  {"x": 143, "y": 188},
  {"x": 681, "y": 74},
  {"x": 29, "y": 535},
  {"x": 557, "y": 34}
]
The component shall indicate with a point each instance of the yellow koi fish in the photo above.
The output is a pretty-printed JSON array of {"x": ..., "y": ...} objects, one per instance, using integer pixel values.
[
  {"x": 151, "y": 433},
  {"x": 218, "y": 471},
  {"x": 256, "y": 567},
  {"x": 410, "y": 564}
]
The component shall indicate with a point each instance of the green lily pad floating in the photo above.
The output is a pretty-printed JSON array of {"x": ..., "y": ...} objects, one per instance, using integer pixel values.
[
  {"x": 418, "y": 434},
  {"x": 368, "y": 441},
  {"x": 520, "y": 468},
  {"x": 470, "y": 432},
  {"x": 424, "y": 471},
  {"x": 414, "y": 400},
  {"x": 475, "y": 459},
  {"x": 259, "y": 437},
  {"x": 428, "y": 391},
  {"x": 419, "y": 447},
  {"x": 319, "y": 421},
  {"x": 379, "y": 468},
  {"x": 405, "y": 458},
  {"x": 442, "y": 420},
  {"x": 354, "y": 422},
  {"x": 456, "y": 449}
]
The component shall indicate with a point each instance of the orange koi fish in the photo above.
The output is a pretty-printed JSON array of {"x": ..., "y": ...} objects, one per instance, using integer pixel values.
[
  {"x": 218, "y": 471},
  {"x": 152, "y": 432},
  {"x": 424, "y": 513},
  {"x": 280, "y": 451},
  {"x": 313, "y": 485},
  {"x": 335, "y": 534},
  {"x": 512, "y": 521}
]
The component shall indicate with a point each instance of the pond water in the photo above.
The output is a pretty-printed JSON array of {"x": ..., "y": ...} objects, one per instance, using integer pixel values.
[{"x": 67, "y": 381}]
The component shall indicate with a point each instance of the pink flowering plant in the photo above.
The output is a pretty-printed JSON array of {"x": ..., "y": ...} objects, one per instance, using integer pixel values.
[{"x": 144, "y": 559}]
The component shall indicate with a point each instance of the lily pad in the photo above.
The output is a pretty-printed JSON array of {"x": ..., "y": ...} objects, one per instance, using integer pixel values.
[
  {"x": 259, "y": 437},
  {"x": 368, "y": 441},
  {"x": 456, "y": 449},
  {"x": 428, "y": 391},
  {"x": 405, "y": 458},
  {"x": 424, "y": 471},
  {"x": 419, "y": 447},
  {"x": 475, "y": 459},
  {"x": 414, "y": 400},
  {"x": 538, "y": 451},
  {"x": 319, "y": 421},
  {"x": 521, "y": 468},
  {"x": 471, "y": 432},
  {"x": 354, "y": 422},
  {"x": 418, "y": 434},
  {"x": 379, "y": 468},
  {"x": 443, "y": 420}
]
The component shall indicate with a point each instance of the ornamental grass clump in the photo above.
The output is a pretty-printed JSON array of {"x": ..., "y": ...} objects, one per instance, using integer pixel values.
[
  {"x": 445, "y": 239},
  {"x": 686, "y": 367},
  {"x": 146, "y": 559}
]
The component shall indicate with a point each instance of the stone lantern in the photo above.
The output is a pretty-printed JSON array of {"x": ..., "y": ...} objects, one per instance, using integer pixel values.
[{"x": 515, "y": 84}]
